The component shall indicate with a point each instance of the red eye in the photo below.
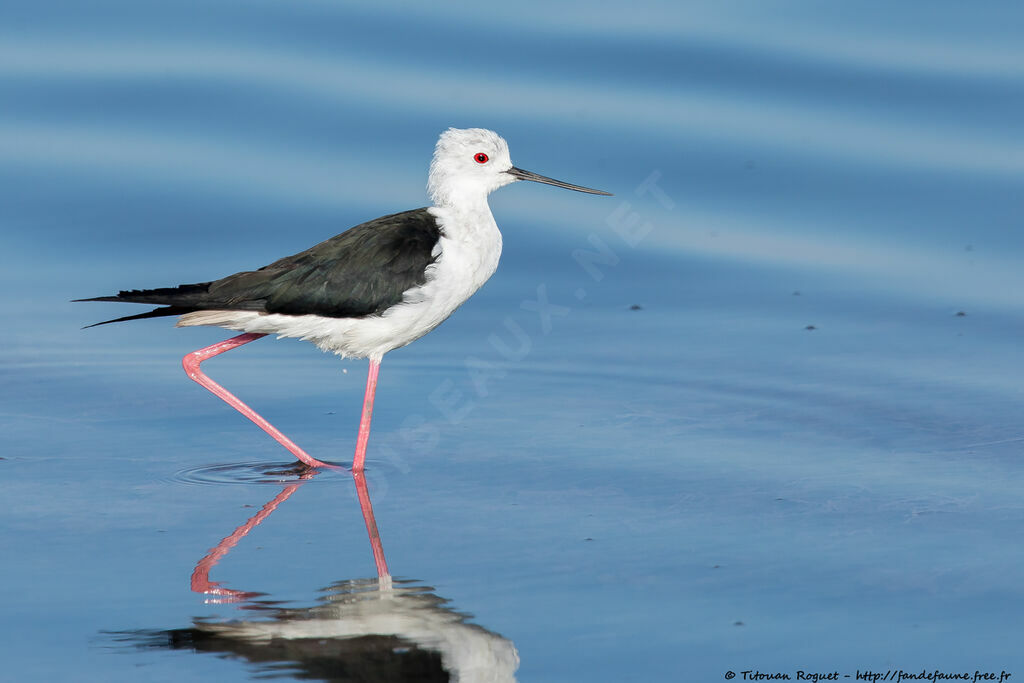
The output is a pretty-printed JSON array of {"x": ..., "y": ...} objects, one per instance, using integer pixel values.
[{"x": 481, "y": 158}]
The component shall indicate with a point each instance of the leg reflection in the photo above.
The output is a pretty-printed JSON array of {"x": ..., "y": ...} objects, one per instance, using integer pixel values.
[
  {"x": 201, "y": 583},
  {"x": 371, "y": 526}
]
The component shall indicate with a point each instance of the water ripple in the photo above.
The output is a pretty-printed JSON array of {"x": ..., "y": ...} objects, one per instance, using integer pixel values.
[{"x": 251, "y": 473}]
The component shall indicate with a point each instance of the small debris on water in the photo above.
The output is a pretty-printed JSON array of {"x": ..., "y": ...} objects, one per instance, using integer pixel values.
[
  {"x": 636, "y": 307},
  {"x": 738, "y": 623},
  {"x": 795, "y": 293},
  {"x": 961, "y": 314},
  {"x": 810, "y": 327}
]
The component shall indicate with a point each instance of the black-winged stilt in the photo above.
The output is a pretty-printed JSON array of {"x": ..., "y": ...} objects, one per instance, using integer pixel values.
[{"x": 373, "y": 288}]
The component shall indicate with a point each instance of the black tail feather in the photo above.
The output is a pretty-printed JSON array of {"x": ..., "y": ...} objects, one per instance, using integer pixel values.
[
  {"x": 175, "y": 301},
  {"x": 98, "y": 298},
  {"x": 182, "y": 295},
  {"x": 155, "y": 313}
]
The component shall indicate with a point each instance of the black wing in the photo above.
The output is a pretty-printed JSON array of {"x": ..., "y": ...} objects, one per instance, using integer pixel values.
[{"x": 361, "y": 272}]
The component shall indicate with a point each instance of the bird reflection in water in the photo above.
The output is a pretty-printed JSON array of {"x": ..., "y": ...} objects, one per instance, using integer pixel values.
[{"x": 373, "y": 629}]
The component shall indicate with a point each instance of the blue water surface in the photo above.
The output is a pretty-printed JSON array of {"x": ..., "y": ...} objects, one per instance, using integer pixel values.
[{"x": 769, "y": 418}]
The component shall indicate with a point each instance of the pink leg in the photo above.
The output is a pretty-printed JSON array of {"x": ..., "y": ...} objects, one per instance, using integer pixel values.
[
  {"x": 364, "y": 421},
  {"x": 371, "y": 525},
  {"x": 191, "y": 363}
]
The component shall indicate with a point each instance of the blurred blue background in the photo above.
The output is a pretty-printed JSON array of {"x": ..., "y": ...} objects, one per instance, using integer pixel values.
[{"x": 774, "y": 425}]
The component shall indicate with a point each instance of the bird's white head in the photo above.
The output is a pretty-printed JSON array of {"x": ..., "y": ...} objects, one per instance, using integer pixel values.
[{"x": 470, "y": 163}]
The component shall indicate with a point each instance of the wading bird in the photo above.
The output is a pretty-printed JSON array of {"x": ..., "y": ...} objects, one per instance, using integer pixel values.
[{"x": 373, "y": 288}]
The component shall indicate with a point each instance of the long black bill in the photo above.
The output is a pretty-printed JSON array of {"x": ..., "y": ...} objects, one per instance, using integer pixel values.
[{"x": 520, "y": 174}]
